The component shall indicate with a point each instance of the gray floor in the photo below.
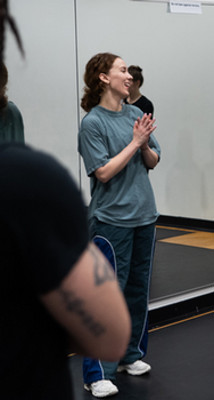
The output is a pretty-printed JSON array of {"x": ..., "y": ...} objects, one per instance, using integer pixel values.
[
  {"x": 181, "y": 355},
  {"x": 179, "y": 269},
  {"x": 182, "y": 359}
]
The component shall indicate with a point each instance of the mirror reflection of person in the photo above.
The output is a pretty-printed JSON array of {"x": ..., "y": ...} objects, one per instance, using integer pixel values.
[
  {"x": 117, "y": 146},
  {"x": 11, "y": 122},
  {"x": 57, "y": 291},
  {"x": 135, "y": 96}
]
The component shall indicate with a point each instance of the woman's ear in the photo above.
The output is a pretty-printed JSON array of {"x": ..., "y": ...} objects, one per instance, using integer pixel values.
[{"x": 103, "y": 77}]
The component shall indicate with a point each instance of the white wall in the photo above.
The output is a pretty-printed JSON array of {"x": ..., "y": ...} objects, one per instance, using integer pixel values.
[
  {"x": 176, "y": 53},
  {"x": 44, "y": 85}
]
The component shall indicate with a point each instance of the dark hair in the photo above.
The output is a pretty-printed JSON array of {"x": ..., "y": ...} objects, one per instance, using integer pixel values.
[
  {"x": 136, "y": 72},
  {"x": 101, "y": 62},
  {"x": 3, "y": 85},
  {"x": 6, "y": 17}
]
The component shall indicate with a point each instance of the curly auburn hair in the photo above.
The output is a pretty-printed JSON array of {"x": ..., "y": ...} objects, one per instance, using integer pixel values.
[
  {"x": 136, "y": 72},
  {"x": 3, "y": 85},
  {"x": 100, "y": 63}
]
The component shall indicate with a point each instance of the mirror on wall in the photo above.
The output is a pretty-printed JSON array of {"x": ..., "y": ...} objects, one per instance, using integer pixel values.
[{"x": 174, "y": 52}]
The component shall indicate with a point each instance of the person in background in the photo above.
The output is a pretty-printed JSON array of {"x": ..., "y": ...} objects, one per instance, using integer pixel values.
[
  {"x": 117, "y": 144},
  {"x": 11, "y": 122},
  {"x": 135, "y": 97},
  {"x": 57, "y": 291}
]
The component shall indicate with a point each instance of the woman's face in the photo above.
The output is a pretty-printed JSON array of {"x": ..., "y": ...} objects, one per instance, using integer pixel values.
[{"x": 119, "y": 79}]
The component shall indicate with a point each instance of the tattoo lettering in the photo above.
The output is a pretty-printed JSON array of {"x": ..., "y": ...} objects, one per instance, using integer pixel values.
[
  {"x": 76, "y": 305},
  {"x": 102, "y": 271}
]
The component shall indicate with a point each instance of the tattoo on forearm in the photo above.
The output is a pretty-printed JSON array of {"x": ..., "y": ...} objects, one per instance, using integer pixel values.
[
  {"x": 102, "y": 272},
  {"x": 75, "y": 305}
]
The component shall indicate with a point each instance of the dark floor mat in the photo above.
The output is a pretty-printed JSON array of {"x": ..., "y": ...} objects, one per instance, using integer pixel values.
[{"x": 182, "y": 359}]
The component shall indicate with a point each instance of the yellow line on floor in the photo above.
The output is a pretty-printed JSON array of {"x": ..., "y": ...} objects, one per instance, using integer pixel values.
[
  {"x": 170, "y": 228},
  {"x": 168, "y": 325},
  {"x": 181, "y": 321}
]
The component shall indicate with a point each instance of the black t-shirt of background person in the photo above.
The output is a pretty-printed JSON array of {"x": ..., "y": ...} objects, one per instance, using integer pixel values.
[{"x": 144, "y": 104}]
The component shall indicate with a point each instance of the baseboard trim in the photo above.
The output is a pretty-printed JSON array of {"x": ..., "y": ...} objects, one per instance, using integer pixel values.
[
  {"x": 180, "y": 310},
  {"x": 191, "y": 223}
]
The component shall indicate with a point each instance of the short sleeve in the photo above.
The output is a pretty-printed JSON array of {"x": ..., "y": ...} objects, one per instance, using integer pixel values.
[
  {"x": 41, "y": 204},
  {"x": 92, "y": 145},
  {"x": 154, "y": 145}
]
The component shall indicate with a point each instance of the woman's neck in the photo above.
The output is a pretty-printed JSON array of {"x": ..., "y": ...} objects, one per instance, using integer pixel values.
[{"x": 111, "y": 103}]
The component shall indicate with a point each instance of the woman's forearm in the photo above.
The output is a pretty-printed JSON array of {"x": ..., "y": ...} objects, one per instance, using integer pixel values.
[
  {"x": 117, "y": 163},
  {"x": 150, "y": 157}
]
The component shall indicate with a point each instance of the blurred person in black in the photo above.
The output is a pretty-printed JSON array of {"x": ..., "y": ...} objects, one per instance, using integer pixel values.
[{"x": 57, "y": 292}]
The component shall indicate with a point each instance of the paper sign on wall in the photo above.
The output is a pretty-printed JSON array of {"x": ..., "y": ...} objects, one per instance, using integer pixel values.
[{"x": 185, "y": 7}]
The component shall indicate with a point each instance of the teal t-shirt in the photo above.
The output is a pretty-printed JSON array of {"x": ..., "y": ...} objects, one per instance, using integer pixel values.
[
  {"x": 126, "y": 200},
  {"x": 11, "y": 124}
]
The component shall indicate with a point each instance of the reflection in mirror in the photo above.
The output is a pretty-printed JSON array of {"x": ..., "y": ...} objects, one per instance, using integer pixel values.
[{"x": 178, "y": 71}]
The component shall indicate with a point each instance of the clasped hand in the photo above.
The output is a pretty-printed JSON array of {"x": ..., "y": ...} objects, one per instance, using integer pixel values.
[{"x": 143, "y": 127}]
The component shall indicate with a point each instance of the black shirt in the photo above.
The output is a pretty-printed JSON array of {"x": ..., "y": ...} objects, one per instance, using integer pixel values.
[
  {"x": 43, "y": 232},
  {"x": 144, "y": 104}
]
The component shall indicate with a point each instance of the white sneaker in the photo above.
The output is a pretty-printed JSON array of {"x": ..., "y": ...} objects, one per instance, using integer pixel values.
[
  {"x": 137, "y": 368},
  {"x": 102, "y": 388}
]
